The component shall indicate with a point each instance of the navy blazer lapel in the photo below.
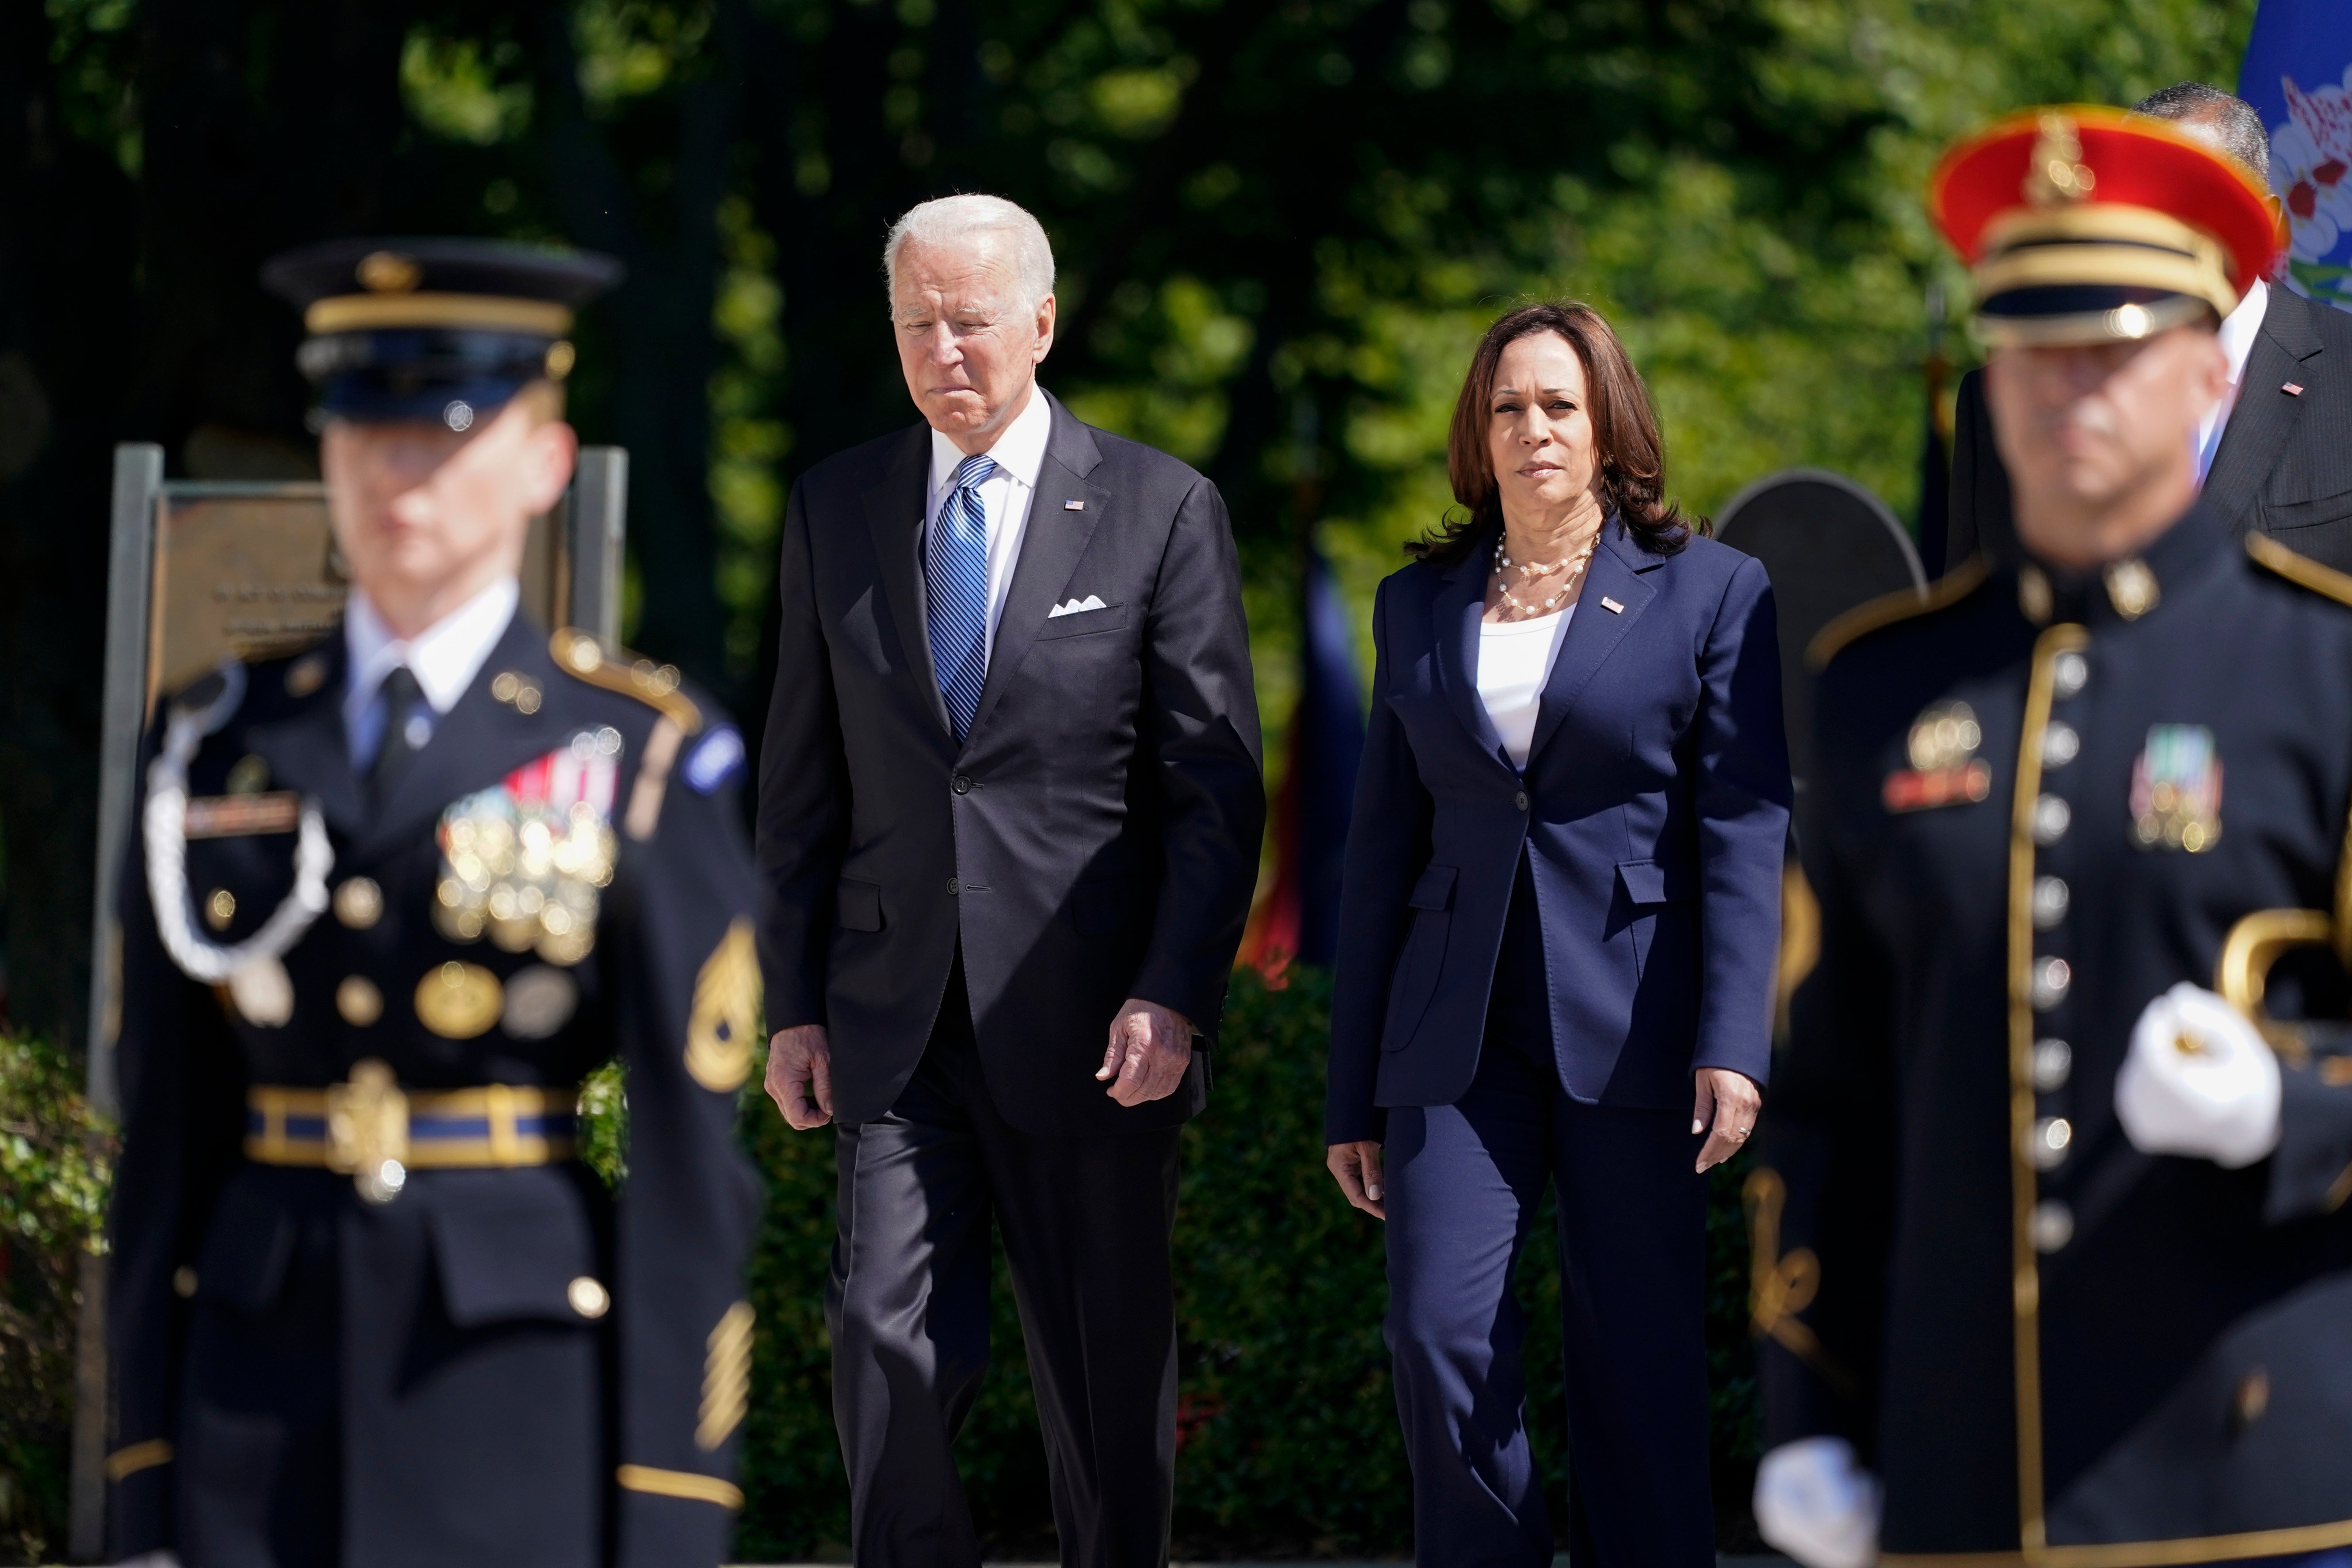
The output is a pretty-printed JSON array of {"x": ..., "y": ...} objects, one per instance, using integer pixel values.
[
  {"x": 308, "y": 750},
  {"x": 1453, "y": 617},
  {"x": 895, "y": 505},
  {"x": 480, "y": 741},
  {"x": 2263, "y": 422},
  {"x": 1051, "y": 545},
  {"x": 1595, "y": 634}
]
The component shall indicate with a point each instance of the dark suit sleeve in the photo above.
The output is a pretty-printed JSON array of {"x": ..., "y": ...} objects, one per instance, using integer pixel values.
[
  {"x": 1741, "y": 758},
  {"x": 2311, "y": 1170},
  {"x": 1201, "y": 720},
  {"x": 1981, "y": 503},
  {"x": 1819, "y": 1201},
  {"x": 1388, "y": 844},
  {"x": 803, "y": 805},
  {"x": 181, "y": 1086},
  {"x": 687, "y": 987}
]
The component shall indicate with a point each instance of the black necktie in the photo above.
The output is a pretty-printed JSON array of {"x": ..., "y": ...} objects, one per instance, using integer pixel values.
[{"x": 400, "y": 695}]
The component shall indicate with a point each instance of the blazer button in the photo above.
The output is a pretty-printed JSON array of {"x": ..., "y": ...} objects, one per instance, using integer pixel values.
[
  {"x": 961, "y": 783},
  {"x": 952, "y": 886},
  {"x": 1521, "y": 800}
]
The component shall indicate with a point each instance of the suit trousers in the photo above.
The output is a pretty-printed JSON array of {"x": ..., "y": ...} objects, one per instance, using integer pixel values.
[
  {"x": 1087, "y": 1223},
  {"x": 1463, "y": 1183}
]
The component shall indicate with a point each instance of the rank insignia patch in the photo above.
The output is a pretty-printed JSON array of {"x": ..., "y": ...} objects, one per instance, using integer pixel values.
[
  {"x": 1945, "y": 769},
  {"x": 726, "y": 1016},
  {"x": 523, "y": 860},
  {"x": 2176, "y": 790}
]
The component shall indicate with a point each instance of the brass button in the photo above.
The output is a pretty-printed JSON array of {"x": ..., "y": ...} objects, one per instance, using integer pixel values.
[
  {"x": 2052, "y": 817},
  {"x": 2046, "y": 1145},
  {"x": 358, "y": 1001},
  {"x": 183, "y": 1281},
  {"x": 250, "y": 776},
  {"x": 2069, "y": 672},
  {"x": 2131, "y": 589},
  {"x": 2252, "y": 1398},
  {"x": 359, "y": 903},
  {"x": 2053, "y": 1063},
  {"x": 2061, "y": 745},
  {"x": 220, "y": 908},
  {"x": 306, "y": 675},
  {"x": 2051, "y": 979},
  {"x": 2054, "y": 1226},
  {"x": 588, "y": 1298},
  {"x": 2052, "y": 898}
]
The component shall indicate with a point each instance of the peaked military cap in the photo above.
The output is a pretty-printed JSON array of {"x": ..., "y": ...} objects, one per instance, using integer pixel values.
[
  {"x": 442, "y": 330},
  {"x": 2082, "y": 225}
]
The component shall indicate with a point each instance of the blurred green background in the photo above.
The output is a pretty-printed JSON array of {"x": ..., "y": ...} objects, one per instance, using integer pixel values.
[{"x": 1281, "y": 224}]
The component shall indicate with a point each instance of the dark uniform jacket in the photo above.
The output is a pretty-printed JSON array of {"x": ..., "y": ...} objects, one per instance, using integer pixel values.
[
  {"x": 2040, "y": 805},
  {"x": 2284, "y": 464},
  {"x": 1094, "y": 836},
  {"x": 501, "y": 1364}
]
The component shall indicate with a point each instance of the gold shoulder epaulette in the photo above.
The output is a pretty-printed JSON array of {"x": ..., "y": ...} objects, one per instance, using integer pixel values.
[
  {"x": 579, "y": 653},
  {"x": 2300, "y": 569},
  {"x": 1888, "y": 608}
]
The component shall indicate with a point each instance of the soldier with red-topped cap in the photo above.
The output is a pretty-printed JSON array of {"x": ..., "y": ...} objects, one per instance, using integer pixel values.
[{"x": 2052, "y": 1260}]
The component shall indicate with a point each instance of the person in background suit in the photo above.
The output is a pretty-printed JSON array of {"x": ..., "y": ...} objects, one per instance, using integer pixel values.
[
  {"x": 1556, "y": 947},
  {"x": 2272, "y": 454},
  {"x": 1010, "y": 808}
]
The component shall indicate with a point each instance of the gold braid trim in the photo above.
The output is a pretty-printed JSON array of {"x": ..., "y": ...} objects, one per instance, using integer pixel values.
[
  {"x": 124, "y": 1463},
  {"x": 684, "y": 1484},
  {"x": 1889, "y": 608},
  {"x": 580, "y": 654},
  {"x": 1781, "y": 1286}
]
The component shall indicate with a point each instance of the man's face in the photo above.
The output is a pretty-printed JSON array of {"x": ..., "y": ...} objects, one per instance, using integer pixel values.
[
  {"x": 968, "y": 344},
  {"x": 419, "y": 508},
  {"x": 2085, "y": 429}
]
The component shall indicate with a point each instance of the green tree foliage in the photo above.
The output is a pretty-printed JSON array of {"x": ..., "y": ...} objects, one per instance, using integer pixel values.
[{"x": 56, "y": 1160}]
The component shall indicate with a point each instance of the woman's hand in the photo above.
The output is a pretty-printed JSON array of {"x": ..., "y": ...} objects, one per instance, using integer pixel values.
[
  {"x": 1356, "y": 1168},
  {"x": 1727, "y": 1103}
]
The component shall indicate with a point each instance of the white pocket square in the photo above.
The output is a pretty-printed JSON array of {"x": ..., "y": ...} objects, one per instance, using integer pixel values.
[{"x": 1091, "y": 602}]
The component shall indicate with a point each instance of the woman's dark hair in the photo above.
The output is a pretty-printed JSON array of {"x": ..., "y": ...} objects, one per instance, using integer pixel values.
[{"x": 1632, "y": 459}]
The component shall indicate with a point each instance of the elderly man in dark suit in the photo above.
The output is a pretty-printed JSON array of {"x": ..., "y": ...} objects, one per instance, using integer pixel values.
[
  {"x": 2272, "y": 454},
  {"x": 1010, "y": 807}
]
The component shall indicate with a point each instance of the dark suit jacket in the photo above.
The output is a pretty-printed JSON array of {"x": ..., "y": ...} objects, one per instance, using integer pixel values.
[
  {"x": 1095, "y": 838},
  {"x": 1653, "y": 809},
  {"x": 2285, "y": 466}
]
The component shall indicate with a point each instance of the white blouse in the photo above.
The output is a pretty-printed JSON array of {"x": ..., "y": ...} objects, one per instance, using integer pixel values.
[{"x": 1515, "y": 660}]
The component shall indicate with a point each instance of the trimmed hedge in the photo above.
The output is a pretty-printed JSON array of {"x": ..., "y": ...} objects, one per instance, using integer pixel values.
[{"x": 1289, "y": 1442}]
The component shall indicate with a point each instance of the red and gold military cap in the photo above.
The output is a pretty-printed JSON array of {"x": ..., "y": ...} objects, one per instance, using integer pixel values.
[{"x": 2082, "y": 225}]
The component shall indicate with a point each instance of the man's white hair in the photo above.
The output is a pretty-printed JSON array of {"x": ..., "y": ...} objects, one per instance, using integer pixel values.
[{"x": 953, "y": 220}]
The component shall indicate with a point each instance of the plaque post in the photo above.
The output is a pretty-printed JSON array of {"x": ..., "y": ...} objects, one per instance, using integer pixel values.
[{"x": 599, "y": 517}]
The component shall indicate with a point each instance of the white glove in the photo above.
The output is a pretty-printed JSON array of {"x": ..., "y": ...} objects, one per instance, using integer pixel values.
[
  {"x": 2199, "y": 1081},
  {"x": 1817, "y": 1504},
  {"x": 151, "y": 1560}
]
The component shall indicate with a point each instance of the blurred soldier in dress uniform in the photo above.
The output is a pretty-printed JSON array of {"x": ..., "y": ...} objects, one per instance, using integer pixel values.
[
  {"x": 392, "y": 898},
  {"x": 2052, "y": 1266}
]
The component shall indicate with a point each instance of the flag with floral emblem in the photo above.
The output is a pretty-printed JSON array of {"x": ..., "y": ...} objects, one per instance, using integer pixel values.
[{"x": 2298, "y": 74}]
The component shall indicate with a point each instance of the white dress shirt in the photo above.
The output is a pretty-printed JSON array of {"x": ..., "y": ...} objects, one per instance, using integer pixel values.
[
  {"x": 2239, "y": 329},
  {"x": 1515, "y": 660},
  {"x": 444, "y": 657},
  {"x": 1005, "y": 495}
]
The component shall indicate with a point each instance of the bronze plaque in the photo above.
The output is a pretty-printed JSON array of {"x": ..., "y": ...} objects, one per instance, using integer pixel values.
[{"x": 251, "y": 571}]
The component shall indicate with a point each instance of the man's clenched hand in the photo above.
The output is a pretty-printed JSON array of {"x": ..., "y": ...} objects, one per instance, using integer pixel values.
[
  {"x": 800, "y": 1074},
  {"x": 1150, "y": 1047}
]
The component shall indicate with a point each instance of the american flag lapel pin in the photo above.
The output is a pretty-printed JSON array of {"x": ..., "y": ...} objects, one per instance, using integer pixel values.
[
  {"x": 1074, "y": 505},
  {"x": 2293, "y": 389}
]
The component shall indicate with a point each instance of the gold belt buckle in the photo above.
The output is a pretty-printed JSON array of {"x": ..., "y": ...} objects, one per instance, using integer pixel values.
[{"x": 367, "y": 1132}]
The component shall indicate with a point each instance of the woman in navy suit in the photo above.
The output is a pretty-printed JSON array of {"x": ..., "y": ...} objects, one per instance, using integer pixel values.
[{"x": 1560, "y": 926}]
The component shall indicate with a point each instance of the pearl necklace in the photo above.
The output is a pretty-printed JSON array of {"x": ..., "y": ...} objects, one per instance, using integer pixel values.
[{"x": 1530, "y": 570}]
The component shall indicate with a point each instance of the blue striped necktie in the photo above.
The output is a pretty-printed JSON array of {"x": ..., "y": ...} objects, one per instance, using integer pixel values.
[{"x": 955, "y": 581}]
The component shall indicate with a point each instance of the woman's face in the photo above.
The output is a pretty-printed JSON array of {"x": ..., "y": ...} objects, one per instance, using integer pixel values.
[{"x": 1538, "y": 426}]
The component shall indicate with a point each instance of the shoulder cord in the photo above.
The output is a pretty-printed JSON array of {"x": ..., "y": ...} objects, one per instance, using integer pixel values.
[{"x": 165, "y": 824}]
